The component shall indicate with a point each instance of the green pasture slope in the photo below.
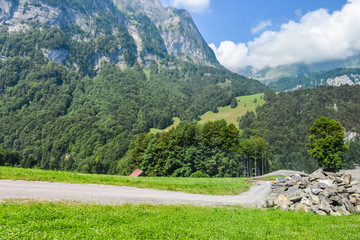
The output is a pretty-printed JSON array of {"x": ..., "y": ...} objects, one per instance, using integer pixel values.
[
  {"x": 31, "y": 220},
  {"x": 231, "y": 115},
  {"x": 211, "y": 186},
  {"x": 245, "y": 103}
]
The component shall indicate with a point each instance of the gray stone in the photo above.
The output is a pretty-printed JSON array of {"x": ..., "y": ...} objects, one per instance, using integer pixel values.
[
  {"x": 302, "y": 184},
  {"x": 266, "y": 204},
  {"x": 306, "y": 201},
  {"x": 339, "y": 180},
  {"x": 315, "y": 208},
  {"x": 336, "y": 199},
  {"x": 326, "y": 184},
  {"x": 318, "y": 174},
  {"x": 314, "y": 199},
  {"x": 325, "y": 204},
  {"x": 321, "y": 212},
  {"x": 296, "y": 177},
  {"x": 353, "y": 190},
  {"x": 327, "y": 193},
  {"x": 357, "y": 209},
  {"x": 354, "y": 183},
  {"x": 283, "y": 202},
  {"x": 349, "y": 205},
  {"x": 341, "y": 189},
  {"x": 307, "y": 190},
  {"x": 347, "y": 179},
  {"x": 293, "y": 191},
  {"x": 280, "y": 179},
  {"x": 354, "y": 198},
  {"x": 304, "y": 175},
  {"x": 302, "y": 207},
  {"x": 330, "y": 174},
  {"x": 336, "y": 214},
  {"x": 295, "y": 199},
  {"x": 316, "y": 191}
]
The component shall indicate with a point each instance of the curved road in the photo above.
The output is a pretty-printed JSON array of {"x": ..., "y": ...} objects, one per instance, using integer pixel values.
[{"x": 106, "y": 194}]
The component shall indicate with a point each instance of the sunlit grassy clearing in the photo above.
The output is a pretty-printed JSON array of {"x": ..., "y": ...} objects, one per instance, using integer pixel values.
[
  {"x": 212, "y": 186},
  {"x": 245, "y": 103},
  {"x": 62, "y": 221}
]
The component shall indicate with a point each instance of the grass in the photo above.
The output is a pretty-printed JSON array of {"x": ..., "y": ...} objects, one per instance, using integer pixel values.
[
  {"x": 31, "y": 220},
  {"x": 245, "y": 103},
  {"x": 268, "y": 178},
  {"x": 212, "y": 186}
]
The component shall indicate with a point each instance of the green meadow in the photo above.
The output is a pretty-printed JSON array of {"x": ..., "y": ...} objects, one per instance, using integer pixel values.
[
  {"x": 212, "y": 186},
  {"x": 31, "y": 220},
  {"x": 231, "y": 115}
]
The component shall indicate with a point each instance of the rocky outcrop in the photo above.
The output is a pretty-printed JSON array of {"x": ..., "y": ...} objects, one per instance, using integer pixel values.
[
  {"x": 350, "y": 79},
  {"x": 321, "y": 192},
  {"x": 181, "y": 37},
  {"x": 176, "y": 29}
]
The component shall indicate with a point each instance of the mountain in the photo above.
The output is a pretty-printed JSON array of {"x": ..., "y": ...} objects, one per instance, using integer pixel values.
[
  {"x": 79, "y": 79},
  {"x": 151, "y": 30},
  {"x": 272, "y": 74},
  {"x": 336, "y": 77}
]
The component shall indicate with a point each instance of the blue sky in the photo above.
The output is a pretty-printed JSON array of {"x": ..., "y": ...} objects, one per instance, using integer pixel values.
[{"x": 261, "y": 33}]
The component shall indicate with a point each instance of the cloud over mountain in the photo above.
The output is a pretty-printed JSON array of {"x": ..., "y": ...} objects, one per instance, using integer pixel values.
[
  {"x": 318, "y": 36},
  {"x": 197, "y": 6}
]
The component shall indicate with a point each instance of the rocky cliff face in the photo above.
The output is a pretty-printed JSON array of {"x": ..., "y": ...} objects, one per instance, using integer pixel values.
[
  {"x": 155, "y": 29},
  {"x": 176, "y": 27}
]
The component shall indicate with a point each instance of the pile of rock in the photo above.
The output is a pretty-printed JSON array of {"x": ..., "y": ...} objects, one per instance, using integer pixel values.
[{"x": 321, "y": 192}]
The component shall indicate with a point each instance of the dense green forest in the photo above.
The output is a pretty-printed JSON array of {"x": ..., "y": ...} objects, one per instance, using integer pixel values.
[
  {"x": 284, "y": 122},
  {"x": 214, "y": 149},
  {"x": 314, "y": 79}
]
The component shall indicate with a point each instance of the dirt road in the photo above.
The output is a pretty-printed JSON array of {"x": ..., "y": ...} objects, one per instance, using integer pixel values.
[{"x": 105, "y": 194}]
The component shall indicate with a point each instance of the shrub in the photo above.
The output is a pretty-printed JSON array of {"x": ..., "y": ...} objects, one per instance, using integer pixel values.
[{"x": 199, "y": 174}]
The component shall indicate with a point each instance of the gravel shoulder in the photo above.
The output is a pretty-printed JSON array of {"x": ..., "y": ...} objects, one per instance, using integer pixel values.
[{"x": 105, "y": 194}]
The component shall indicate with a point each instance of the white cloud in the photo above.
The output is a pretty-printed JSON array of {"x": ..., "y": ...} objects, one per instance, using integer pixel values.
[
  {"x": 198, "y": 6},
  {"x": 261, "y": 26},
  {"x": 318, "y": 36}
]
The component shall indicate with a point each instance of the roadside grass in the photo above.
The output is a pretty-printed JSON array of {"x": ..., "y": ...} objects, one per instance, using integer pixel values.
[
  {"x": 31, "y": 220},
  {"x": 267, "y": 178},
  {"x": 211, "y": 186},
  {"x": 245, "y": 103}
]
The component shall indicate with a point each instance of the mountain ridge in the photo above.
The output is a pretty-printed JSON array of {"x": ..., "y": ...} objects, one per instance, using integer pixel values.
[{"x": 173, "y": 31}]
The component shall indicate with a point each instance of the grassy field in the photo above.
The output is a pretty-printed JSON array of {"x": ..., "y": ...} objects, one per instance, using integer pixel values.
[
  {"x": 212, "y": 186},
  {"x": 30, "y": 220},
  {"x": 245, "y": 103}
]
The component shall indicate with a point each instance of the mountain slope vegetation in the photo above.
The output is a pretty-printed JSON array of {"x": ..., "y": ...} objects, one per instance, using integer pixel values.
[
  {"x": 284, "y": 122},
  {"x": 78, "y": 82}
]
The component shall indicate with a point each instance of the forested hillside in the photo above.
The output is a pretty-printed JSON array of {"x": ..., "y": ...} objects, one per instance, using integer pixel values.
[
  {"x": 77, "y": 85},
  {"x": 284, "y": 121}
]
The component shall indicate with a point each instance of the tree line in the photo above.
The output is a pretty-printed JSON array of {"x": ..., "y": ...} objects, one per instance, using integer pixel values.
[
  {"x": 286, "y": 118},
  {"x": 215, "y": 149}
]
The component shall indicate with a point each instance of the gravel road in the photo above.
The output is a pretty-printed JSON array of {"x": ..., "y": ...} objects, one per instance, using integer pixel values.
[{"x": 106, "y": 194}]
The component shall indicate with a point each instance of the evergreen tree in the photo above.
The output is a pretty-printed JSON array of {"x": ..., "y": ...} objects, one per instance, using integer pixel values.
[{"x": 234, "y": 103}]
